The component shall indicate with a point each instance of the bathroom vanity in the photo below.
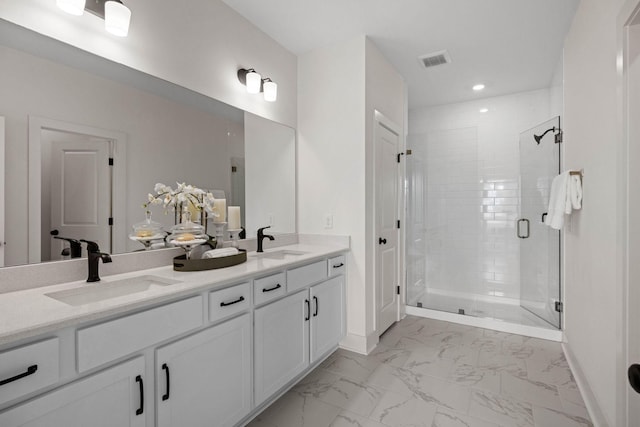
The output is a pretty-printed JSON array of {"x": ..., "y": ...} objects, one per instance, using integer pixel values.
[{"x": 169, "y": 348}]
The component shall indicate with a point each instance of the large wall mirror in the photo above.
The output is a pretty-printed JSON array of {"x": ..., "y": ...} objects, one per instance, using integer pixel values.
[{"x": 68, "y": 112}]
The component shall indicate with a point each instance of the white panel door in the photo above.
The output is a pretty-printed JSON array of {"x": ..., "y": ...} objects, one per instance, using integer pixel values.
[
  {"x": 111, "y": 398},
  {"x": 328, "y": 318},
  {"x": 281, "y": 334},
  {"x": 205, "y": 379},
  {"x": 2, "y": 218},
  {"x": 80, "y": 192},
  {"x": 387, "y": 142}
]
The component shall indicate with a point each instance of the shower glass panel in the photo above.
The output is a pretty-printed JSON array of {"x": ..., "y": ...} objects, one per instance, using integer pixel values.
[{"x": 539, "y": 243}]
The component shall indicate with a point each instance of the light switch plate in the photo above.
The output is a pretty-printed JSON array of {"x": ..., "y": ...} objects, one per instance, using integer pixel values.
[{"x": 328, "y": 221}]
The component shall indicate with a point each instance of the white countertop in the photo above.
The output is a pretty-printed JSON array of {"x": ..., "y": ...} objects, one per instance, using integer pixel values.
[{"x": 28, "y": 313}]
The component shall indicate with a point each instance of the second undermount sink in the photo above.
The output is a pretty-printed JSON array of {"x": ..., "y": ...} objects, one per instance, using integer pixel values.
[
  {"x": 106, "y": 289},
  {"x": 281, "y": 254}
]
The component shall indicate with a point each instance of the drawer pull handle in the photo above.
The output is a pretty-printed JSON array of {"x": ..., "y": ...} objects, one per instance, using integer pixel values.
[
  {"x": 307, "y": 314},
  {"x": 140, "y": 410},
  {"x": 167, "y": 376},
  {"x": 224, "y": 304},
  {"x": 338, "y": 265},
  {"x": 30, "y": 370},
  {"x": 277, "y": 286},
  {"x": 315, "y": 299}
]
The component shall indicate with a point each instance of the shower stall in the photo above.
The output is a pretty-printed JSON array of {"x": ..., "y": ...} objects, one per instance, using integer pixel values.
[{"x": 476, "y": 242}]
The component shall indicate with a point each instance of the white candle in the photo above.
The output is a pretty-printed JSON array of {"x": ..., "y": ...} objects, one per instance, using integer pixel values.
[
  {"x": 220, "y": 208},
  {"x": 234, "y": 218}
]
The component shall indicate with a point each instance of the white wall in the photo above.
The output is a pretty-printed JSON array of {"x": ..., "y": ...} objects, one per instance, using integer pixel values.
[
  {"x": 339, "y": 86},
  {"x": 270, "y": 181},
  {"x": 592, "y": 252},
  {"x": 473, "y": 162},
  {"x": 167, "y": 141},
  {"x": 199, "y": 44}
]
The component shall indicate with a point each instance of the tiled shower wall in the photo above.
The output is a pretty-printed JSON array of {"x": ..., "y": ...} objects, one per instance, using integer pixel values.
[{"x": 470, "y": 163}]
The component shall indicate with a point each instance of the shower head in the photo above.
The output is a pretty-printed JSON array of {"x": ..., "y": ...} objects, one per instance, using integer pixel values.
[{"x": 538, "y": 138}]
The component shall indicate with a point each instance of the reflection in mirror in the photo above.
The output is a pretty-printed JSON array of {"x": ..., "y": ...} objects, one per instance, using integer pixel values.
[{"x": 155, "y": 131}]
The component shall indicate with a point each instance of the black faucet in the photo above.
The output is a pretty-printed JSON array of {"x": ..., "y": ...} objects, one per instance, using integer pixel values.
[
  {"x": 94, "y": 255},
  {"x": 262, "y": 236},
  {"x": 74, "y": 249}
]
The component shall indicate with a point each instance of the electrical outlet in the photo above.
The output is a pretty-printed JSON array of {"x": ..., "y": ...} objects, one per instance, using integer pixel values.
[
  {"x": 271, "y": 219},
  {"x": 328, "y": 221}
]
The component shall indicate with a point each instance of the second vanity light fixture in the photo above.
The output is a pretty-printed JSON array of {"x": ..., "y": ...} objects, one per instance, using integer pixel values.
[
  {"x": 256, "y": 84},
  {"x": 115, "y": 14}
]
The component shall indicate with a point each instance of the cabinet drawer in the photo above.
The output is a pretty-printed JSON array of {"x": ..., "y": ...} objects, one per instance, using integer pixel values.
[
  {"x": 26, "y": 369},
  {"x": 229, "y": 301},
  {"x": 300, "y": 277},
  {"x": 268, "y": 288},
  {"x": 110, "y": 340},
  {"x": 337, "y": 265}
]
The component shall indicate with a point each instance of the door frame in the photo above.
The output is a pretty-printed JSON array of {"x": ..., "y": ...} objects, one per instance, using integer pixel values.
[
  {"x": 381, "y": 119},
  {"x": 627, "y": 160},
  {"x": 3, "y": 217},
  {"x": 118, "y": 183}
]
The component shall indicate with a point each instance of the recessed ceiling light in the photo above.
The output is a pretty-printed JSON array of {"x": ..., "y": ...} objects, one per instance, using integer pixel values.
[
  {"x": 484, "y": 110},
  {"x": 478, "y": 87}
]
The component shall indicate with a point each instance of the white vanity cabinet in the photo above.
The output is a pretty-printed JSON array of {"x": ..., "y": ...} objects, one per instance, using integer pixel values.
[
  {"x": 296, "y": 331},
  {"x": 205, "y": 379},
  {"x": 114, "y": 397}
]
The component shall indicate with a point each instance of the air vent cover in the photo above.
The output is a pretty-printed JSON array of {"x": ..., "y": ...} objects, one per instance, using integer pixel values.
[{"x": 436, "y": 58}]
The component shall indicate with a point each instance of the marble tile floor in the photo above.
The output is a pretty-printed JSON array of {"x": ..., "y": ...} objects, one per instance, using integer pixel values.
[{"x": 429, "y": 373}]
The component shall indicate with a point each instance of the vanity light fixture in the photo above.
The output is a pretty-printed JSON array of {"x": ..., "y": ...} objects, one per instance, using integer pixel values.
[
  {"x": 115, "y": 14},
  {"x": 478, "y": 87},
  {"x": 256, "y": 84},
  {"x": 484, "y": 110}
]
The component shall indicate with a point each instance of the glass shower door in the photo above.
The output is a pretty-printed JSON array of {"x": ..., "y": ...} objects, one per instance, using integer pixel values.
[{"x": 539, "y": 243}]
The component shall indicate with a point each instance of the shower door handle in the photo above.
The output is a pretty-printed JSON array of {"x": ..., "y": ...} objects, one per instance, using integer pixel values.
[{"x": 522, "y": 236}]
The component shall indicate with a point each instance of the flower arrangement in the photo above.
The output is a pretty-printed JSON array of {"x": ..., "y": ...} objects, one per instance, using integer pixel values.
[{"x": 184, "y": 194}]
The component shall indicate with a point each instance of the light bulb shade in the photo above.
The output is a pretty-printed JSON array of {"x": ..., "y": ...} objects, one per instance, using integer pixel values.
[
  {"x": 254, "y": 81},
  {"x": 116, "y": 18},
  {"x": 74, "y": 7},
  {"x": 270, "y": 91}
]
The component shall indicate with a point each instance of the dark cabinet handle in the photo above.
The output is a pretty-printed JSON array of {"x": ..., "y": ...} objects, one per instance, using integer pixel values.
[
  {"x": 634, "y": 377},
  {"x": 315, "y": 300},
  {"x": 277, "y": 286},
  {"x": 382, "y": 241},
  {"x": 225, "y": 304},
  {"x": 30, "y": 370},
  {"x": 140, "y": 410},
  {"x": 307, "y": 315},
  {"x": 338, "y": 265},
  {"x": 167, "y": 376},
  {"x": 543, "y": 216}
]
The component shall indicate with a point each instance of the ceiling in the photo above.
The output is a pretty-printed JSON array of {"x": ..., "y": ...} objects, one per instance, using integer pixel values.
[{"x": 509, "y": 45}]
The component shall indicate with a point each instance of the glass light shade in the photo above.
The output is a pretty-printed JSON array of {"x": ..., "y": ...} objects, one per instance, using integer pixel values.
[
  {"x": 270, "y": 91},
  {"x": 74, "y": 7},
  {"x": 254, "y": 81},
  {"x": 116, "y": 18}
]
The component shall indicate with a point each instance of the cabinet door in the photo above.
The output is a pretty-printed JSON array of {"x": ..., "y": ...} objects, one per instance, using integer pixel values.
[
  {"x": 328, "y": 317},
  {"x": 281, "y": 343},
  {"x": 205, "y": 379},
  {"x": 111, "y": 398}
]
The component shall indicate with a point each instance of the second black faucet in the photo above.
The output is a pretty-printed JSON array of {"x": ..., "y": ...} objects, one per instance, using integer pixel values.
[{"x": 262, "y": 236}]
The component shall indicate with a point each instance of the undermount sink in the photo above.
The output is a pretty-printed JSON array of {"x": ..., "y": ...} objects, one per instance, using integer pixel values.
[
  {"x": 105, "y": 289},
  {"x": 281, "y": 254}
]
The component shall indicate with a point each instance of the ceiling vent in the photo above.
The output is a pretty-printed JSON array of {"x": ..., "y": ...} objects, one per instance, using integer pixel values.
[{"x": 436, "y": 58}]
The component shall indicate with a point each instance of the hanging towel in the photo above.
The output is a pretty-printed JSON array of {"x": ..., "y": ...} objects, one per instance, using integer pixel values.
[
  {"x": 558, "y": 201},
  {"x": 574, "y": 200}
]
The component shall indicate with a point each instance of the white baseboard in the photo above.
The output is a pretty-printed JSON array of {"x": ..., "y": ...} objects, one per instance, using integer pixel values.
[
  {"x": 590, "y": 401},
  {"x": 360, "y": 344}
]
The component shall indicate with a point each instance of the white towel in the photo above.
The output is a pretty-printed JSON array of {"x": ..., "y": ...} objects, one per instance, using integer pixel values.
[
  {"x": 558, "y": 201},
  {"x": 575, "y": 193},
  {"x": 217, "y": 253}
]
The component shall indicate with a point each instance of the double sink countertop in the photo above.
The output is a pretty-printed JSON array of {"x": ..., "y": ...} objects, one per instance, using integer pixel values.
[{"x": 31, "y": 312}]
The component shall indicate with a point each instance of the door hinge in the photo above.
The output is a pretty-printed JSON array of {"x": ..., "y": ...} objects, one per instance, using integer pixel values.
[
  {"x": 110, "y": 161},
  {"x": 559, "y": 307},
  {"x": 398, "y": 290},
  {"x": 398, "y": 224},
  {"x": 111, "y": 221}
]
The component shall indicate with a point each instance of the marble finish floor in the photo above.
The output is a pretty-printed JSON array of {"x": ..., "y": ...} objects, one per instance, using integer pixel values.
[{"x": 436, "y": 374}]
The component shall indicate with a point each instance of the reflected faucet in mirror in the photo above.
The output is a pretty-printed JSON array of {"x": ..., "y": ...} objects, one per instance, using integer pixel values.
[
  {"x": 93, "y": 256},
  {"x": 74, "y": 250},
  {"x": 262, "y": 236}
]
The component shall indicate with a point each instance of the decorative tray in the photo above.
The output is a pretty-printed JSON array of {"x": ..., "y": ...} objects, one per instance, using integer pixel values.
[{"x": 181, "y": 263}]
